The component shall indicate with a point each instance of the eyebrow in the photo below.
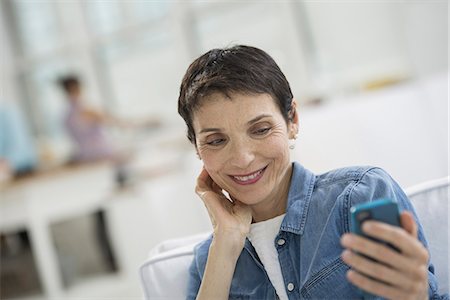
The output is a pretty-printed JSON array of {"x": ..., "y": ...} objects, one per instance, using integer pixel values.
[
  {"x": 254, "y": 120},
  {"x": 209, "y": 130}
]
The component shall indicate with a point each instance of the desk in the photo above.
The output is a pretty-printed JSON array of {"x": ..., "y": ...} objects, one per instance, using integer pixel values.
[
  {"x": 137, "y": 217},
  {"x": 36, "y": 202}
]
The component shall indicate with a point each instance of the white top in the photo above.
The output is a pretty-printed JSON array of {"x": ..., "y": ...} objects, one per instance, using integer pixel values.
[{"x": 262, "y": 236}]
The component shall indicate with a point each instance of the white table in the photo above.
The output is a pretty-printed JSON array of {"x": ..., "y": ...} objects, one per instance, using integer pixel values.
[{"x": 34, "y": 203}]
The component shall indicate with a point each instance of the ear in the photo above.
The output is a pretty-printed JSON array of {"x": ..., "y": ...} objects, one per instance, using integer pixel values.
[{"x": 293, "y": 120}]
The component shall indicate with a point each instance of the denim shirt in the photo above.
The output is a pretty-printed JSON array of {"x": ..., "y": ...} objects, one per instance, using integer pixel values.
[{"x": 308, "y": 243}]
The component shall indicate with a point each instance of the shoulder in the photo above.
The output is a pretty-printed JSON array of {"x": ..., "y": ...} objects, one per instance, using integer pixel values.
[
  {"x": 351, "y": 174},
  {"x": 375, "y": 183},
  {"x": 356, "y": 179},
  {"x": 343, "y": 175},
  {"x": 346, "y": 187},
  {"x": 341, "y": 187}
]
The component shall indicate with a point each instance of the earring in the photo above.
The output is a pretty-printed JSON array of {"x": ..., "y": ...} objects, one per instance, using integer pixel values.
[{"x": 292, "y": 142}]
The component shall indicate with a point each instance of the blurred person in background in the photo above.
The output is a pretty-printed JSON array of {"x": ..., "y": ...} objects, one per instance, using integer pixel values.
[
  {"x": 280, "y": 231},
  {"x": 88, "y": 130},
  {"x": 86, "y": 126},
  {"x": 17, "y": 152}
]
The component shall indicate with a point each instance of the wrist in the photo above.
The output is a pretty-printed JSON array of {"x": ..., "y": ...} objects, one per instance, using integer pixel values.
[{"x": 230, "y": 244}]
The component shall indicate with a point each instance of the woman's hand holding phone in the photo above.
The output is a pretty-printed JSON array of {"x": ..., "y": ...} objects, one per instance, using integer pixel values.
[
  {"x": 394, "y": 275},
  {"x": 230, "y": 220}
]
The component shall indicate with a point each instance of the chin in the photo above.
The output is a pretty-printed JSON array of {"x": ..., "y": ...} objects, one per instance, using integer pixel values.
[{"x": 249, "y": 198}]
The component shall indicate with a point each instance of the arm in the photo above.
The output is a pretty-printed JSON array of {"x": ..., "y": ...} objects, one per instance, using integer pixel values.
[
  {"x": 97, "y": 116},
  {"x": 219, "y": 270},
  {"x": 231, "y": 224}
]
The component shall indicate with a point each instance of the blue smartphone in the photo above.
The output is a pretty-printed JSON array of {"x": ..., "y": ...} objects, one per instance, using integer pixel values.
[{"x": 382, "y": 210}]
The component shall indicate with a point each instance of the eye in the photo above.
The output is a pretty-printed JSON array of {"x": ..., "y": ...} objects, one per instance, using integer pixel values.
[
  {"x": 261, "y": 131},
  {"x": 216, "y": 142}
]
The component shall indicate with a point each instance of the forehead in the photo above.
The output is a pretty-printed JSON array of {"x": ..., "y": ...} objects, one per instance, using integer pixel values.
[{"x": 237, "y": 108}]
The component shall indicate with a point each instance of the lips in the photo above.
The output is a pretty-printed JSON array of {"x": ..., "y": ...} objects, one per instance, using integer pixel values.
[{"x": 249, "y": 178}]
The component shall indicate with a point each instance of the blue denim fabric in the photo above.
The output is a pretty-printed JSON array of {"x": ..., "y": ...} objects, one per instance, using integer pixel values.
[{"x": 318, "y": 214}]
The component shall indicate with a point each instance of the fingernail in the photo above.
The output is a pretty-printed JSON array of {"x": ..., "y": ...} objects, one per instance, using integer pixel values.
[
  {"x": 346, "y": 255},
  {"x": 346, "y": 239},
  {"x": 350, "y": 274}
]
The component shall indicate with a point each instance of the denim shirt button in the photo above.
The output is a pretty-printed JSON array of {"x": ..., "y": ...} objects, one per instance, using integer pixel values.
[
  {"x": 290, "y": 286},
  {"x": 281, "y": 242}
]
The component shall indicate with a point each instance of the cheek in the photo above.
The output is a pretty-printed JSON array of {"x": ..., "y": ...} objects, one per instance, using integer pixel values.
[
  {"x": 276, "y": 147},
  {"x": 213, "y": 168},
  {"x": 211, "y": 162}
]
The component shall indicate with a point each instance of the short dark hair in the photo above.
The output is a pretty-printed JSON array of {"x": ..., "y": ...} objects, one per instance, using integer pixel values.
[
  {"x": 68, "y": 81},
  {"x": 238, "y": 69}
]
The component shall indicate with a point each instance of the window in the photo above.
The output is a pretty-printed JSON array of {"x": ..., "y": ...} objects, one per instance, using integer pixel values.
[{"x": 37, "y": 25}]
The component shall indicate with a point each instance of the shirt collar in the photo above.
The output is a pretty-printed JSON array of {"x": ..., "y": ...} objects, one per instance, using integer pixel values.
[{"x": 299, "y": 197}]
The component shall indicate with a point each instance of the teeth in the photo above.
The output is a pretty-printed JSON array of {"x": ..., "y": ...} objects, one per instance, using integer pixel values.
[{"x": 249, "y": 177}]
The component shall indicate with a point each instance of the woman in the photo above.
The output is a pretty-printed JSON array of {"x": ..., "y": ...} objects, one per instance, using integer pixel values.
[
  {"x": 85, "y": 126},
  {"x": 279, "y": 231}
]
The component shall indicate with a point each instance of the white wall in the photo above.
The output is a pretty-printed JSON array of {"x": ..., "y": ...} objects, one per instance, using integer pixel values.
[
  {"x": 403, "y": 129},
  {"x": 358, "y": 42},
  {"x": 426, "y": 31}
]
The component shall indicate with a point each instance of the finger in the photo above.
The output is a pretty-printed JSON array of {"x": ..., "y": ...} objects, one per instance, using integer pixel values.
[
  {"x": 216, "y": 188},
  {"x": 378, "y": 251},
  {"x": 243, "y": 210},
  {"x": 398, "y": 237},
  {"x": 203, "y": 176},
  {"x": 411, "y": 267},
  {"x": 374, "y": 287},
  {"x": 408, "y": 223},
  {"x": 204, "y": 182},
  {"x": 216, "y": 199},
  {"x": 376, "y": 270}
]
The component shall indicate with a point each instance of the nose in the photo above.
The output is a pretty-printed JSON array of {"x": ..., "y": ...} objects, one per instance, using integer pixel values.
[{"x": 242, "y": 154}]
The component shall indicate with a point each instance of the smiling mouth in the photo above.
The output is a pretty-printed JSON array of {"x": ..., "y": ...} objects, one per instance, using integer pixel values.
[{"x": 250, "y": 178}]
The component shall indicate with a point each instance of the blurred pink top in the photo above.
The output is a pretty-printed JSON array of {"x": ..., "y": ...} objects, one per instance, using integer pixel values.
[{"x": 88, "y": 135}]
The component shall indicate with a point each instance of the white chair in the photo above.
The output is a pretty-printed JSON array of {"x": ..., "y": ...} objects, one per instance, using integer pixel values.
[
  {"x": 431, "y": 200},
  {"x": 164, "y": 275}
]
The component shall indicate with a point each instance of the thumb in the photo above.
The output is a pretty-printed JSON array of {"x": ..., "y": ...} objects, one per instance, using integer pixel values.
[{"x": 408, "y": 223}]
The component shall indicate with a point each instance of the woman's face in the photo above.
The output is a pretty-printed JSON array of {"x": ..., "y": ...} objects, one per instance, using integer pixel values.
[{"x": 243, "y": 143}]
